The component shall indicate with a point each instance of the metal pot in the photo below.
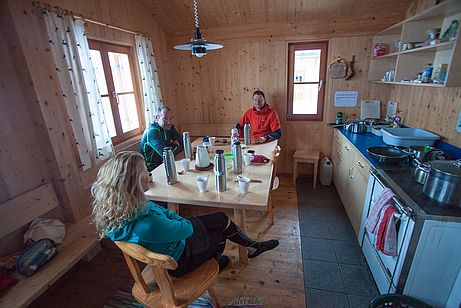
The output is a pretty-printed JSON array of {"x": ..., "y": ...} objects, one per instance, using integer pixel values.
[
  {"x": 444, "y": 181},
  {"x": 417, "y": 151},
  {"x": 421, "y": 171},
  {"x": 356, "y": 127}
]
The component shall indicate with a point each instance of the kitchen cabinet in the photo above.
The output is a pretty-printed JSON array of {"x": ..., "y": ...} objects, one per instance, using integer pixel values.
[
  {"x": 350, "y": 176},
  {"x": 406, "y": 64}
]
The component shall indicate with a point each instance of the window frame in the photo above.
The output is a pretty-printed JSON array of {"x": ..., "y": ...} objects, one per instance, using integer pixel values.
[
  {"x": 292, "y": 48},
  {"x": 104, "y": 48}
]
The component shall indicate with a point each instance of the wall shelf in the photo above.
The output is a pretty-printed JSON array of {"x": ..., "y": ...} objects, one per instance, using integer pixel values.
[{"x": 407, "y": 64}]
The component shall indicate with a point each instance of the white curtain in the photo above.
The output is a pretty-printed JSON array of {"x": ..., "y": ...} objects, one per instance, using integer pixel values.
[
  {"x": 71, "y": 54},
  {"x": 152, "y": 95}
]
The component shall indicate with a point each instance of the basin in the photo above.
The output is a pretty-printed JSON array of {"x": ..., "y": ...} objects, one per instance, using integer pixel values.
[{"x": 405, "y": 136}]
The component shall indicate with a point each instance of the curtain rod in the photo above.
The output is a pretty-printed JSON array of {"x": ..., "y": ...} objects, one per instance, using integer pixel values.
[
  {"x": 60, "y": 10},
  {"x": 105, "y": 25}
]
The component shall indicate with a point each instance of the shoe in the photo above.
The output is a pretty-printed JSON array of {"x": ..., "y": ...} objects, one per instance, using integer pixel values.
[
  {"x": 264, "y": 246},
  {"x": 223, "y": 262}
]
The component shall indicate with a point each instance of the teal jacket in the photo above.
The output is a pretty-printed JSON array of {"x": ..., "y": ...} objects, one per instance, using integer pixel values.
[
  {"x": 156, "y": 229},
  {"x": 154, "y": 139}
]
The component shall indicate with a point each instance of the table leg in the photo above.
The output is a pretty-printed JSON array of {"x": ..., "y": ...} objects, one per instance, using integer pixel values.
[
  {"x": 174, "y": 207},
  {"x": 240, "y": 220}
]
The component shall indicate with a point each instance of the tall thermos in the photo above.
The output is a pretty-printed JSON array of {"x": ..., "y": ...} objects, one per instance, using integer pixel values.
[
  {"x": 187, "y": 145},
  {"x": 170, "y": 166},
  {"x": 220, "y": 171},
  {"x": 237, "y": 160},
  {"x": 247, "y": 133}
]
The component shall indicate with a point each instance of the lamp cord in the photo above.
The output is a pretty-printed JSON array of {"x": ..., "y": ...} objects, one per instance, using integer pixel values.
[{"x": 196, "y": 13}]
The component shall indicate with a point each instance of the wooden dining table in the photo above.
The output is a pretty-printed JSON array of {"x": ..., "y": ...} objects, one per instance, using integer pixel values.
[{"x": 185, "y": 191}]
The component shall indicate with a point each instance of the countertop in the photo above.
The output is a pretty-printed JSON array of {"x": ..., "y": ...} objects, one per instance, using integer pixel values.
[{"x": 399, "y": 179}]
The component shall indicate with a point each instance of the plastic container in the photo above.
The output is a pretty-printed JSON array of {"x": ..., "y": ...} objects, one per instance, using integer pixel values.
[
  {"x": 326, "y": 171},
  {"x": 406, "y": 137}
]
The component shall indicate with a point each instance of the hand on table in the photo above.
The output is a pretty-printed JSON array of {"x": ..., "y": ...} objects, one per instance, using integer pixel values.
[{"x": 261, "y": 139}]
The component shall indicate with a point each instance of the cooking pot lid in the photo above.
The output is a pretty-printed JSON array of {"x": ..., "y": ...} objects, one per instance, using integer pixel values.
[{"x": 450, "y": 167}]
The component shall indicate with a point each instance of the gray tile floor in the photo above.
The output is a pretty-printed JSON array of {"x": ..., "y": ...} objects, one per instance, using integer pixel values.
[{"x": 335, "y": 271}]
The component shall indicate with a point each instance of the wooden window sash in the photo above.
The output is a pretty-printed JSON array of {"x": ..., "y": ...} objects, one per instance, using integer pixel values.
[
  {"x": 292, "y": 48},
  {"x": 104, "y": 48}
]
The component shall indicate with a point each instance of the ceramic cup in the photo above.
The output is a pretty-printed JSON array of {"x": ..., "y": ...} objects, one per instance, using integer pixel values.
[
  {"x": 244, "y": 184},
  {"x": 185, "y": 162},
  {"x": 212, "y": 141},
  {"x": 252, "y": 152},
  {"x": 247, "y": 158},
  {"x": 202, "y": 182}
]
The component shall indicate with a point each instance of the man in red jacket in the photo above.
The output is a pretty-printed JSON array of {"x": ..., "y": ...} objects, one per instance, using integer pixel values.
[{"x": 264, "y": 121}]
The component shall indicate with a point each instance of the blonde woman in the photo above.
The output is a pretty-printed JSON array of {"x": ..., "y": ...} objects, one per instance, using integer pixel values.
[{"x": 121, "y": 212}]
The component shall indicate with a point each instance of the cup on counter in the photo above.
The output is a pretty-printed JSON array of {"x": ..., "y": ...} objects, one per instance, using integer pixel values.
[
  {"x": 244, "y": 184},
  {"x": 247, "y": 158},
  {"x": 202, "y": 182},
  {"x": 185, "y": 162}
]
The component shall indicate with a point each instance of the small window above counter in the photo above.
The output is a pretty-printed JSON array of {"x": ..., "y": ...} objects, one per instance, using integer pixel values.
[{"x": 423, "y": 50}]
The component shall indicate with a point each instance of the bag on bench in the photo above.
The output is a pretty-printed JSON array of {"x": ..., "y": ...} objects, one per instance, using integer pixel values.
[{"x": 35, "y": 256}]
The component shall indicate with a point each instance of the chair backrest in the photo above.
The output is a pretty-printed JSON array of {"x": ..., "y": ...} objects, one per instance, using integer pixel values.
[
  {"x": 275, "y": 161},
  {"x": 159, "y": 263}
]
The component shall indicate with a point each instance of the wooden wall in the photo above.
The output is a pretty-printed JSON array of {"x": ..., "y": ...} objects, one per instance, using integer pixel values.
[
  {"x": 218, "y": 87},
  {"x": 36, "y": 141}
]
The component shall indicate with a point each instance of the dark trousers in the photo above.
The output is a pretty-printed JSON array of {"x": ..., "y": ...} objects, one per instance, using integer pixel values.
[{"x": 207, "y": 241}]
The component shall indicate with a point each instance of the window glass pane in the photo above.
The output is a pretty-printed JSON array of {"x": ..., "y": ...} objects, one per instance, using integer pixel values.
[
  {"x": 121, "y": 72},
  {"x": 96, "y": 61},
  {"x": 108, "y": 115},
  {"x": 305, "y": 97},
  {"x": 307, "y": 65},
  {"x": 128, "y": 112}
]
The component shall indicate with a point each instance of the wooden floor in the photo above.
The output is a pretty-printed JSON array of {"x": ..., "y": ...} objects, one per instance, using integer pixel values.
[{"x": 275, "y": 276}]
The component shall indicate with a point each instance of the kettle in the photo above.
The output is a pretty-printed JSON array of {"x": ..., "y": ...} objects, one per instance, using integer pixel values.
[{"x": 202, "y": 157}]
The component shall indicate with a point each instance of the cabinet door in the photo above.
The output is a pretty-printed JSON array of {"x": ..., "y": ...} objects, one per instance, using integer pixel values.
[
  {"x": 359, "y": 180},
  {"x": 336, "y": 156}
]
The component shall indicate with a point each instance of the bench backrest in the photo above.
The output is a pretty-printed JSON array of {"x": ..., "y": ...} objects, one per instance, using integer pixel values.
[{"x": 23, "y": 209}]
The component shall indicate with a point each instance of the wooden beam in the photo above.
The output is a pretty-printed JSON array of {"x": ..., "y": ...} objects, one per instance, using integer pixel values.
[{"x": 296, "y": 30}]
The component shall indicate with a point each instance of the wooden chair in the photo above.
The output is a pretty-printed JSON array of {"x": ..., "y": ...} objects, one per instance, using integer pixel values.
[
  {"x": 275, "y": 160},
  {"x": 155, "y": 287}
]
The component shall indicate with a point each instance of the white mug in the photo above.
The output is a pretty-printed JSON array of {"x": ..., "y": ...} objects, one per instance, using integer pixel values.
[
  {"x": 202, "y": 182},
  {"x": 247, "y": 158},
  {"x": 212, "y": 141},
  {"x": 244, "y": 184}
]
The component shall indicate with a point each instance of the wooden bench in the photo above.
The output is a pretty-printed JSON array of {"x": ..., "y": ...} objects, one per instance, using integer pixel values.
[{"x": 81, "y": 241}]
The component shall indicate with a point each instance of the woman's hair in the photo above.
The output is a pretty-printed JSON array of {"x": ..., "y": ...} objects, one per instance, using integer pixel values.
[
  {"x": 118, "y": 191},
  {"x": 257, "y": 92}
]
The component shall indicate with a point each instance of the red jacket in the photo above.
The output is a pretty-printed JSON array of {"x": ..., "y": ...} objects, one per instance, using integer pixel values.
[{"x": 262, "y": 122}]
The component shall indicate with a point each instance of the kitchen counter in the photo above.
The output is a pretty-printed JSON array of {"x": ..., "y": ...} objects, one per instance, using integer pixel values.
[{"x": 399, "y": 178}]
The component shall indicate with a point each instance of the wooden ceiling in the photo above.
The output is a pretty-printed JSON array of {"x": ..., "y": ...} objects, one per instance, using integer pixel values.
[{"x": 177, "y": 16}]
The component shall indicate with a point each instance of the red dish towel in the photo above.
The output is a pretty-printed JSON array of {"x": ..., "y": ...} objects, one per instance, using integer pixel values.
[
  {"x": 376, "y": 208},
  {"x": 386, "y": 237}
]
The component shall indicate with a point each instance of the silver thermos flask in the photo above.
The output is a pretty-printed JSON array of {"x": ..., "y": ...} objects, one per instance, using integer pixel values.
[
  {"x": 247, "y": 134},
  {"x": 220, "y": 171},
  {"x": 187, "y": 145},
  {"x": 170, "y": 166},
  {"x": 237, "y": 160}
]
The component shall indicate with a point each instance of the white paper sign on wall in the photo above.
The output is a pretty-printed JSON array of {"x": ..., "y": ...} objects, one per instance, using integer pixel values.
[{"x": 346, "y": 98}]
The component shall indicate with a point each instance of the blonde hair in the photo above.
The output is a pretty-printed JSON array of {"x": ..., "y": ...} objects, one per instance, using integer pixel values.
[{"x": 118, "y": 191}]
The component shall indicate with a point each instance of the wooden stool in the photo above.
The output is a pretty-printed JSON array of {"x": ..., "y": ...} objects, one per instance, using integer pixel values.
[{"x": 306, "y": 156}]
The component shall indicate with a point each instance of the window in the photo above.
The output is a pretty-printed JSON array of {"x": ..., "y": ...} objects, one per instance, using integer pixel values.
[
  {"x": 113, "y": 66},
  {"x": 306, "y": 80}
]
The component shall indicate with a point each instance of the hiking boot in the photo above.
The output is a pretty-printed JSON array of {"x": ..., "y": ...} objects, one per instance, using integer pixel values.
[{"x": 262, "y": 247}]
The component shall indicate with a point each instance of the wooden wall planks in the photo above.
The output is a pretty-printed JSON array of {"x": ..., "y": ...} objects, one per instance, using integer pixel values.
[
  {"x": 29, "y": 82},
  {"x": 218, "y": 88},
  {"x": 433, "y": 109}
]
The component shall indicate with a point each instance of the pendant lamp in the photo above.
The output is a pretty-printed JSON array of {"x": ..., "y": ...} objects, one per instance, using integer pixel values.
[{"x": 198, "y": 45}]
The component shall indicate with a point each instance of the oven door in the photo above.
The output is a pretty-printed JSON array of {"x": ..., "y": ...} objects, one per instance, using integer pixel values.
[{"x": 385, "y": 269}]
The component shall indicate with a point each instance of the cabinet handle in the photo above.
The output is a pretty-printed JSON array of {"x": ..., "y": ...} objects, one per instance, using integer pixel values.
[
  {"x": 337, "y": 137},
  {"x": 347, "y": 149},
  {"x": 351, "y": 171},
  {"x": 360, "y": 164}
]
